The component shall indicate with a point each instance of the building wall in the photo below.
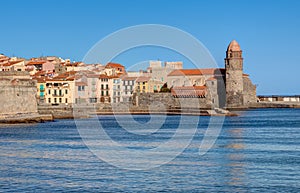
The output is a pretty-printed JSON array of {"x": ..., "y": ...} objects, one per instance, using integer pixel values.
[
  {"x": 234, "y": 79},
  {"x": 249, "y": 91},
  {"x": 104, "y": 90},
  {"x": 117, "y": 90},
  {"x": 92, "y": 89},
  {"x": 41, "y": 92},
  {"x": 142, "y": 87},
  {"x": 167, "y": 101},
  {"x": 127, "y": 89},
  {"x": 187, "y": 80},
  {"x": 17, "y": 95},
  {"x": 64, "y": 93},
  {"x": 48, "y": 67},
  {"x": 154, "y": 85}
]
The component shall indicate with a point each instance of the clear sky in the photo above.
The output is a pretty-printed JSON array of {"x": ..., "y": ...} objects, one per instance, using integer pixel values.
[{"x": 268, "y": 31}]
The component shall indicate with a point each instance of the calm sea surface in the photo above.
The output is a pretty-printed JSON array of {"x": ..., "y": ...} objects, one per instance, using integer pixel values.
[{"x": 258, "y": 151}]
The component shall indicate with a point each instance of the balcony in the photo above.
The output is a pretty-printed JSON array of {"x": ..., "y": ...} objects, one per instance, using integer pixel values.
[{"x": 57, "y": 95}]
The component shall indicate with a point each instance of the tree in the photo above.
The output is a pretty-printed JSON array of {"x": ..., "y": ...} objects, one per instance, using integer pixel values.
[{"x": 165, "y": 88}]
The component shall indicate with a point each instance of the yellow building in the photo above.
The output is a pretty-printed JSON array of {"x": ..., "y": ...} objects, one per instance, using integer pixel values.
[
  {"x": 147, "y": 85},
  {"x": 142, "y": 85},
  {"x": 60, "y": 91},
  {"x": 57, "y": 90}
]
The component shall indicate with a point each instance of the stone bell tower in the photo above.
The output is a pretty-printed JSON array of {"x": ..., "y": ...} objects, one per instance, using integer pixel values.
[{"x": 234, "y": 76}]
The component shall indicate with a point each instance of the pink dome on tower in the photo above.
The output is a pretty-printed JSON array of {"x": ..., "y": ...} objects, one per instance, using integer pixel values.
[{"x": 234, "y": 46}]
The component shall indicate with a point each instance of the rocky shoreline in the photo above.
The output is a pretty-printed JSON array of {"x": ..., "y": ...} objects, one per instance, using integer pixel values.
[
  {"x": 50, "y": 113},
  {"x": 25, "y": 118}
]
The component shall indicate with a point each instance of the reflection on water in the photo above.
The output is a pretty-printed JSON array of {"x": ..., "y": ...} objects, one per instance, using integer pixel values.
[
  {"x": 236, "y": 158},
  {"x": 256, "y": 152}
]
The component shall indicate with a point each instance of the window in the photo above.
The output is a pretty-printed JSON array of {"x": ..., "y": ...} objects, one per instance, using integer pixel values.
[
  {"x": 66, "y": 100},
  {"x": 55, "y": 100},
  {"x": 102, "y": 86},
  {"x": 66, "y": 91},
  {"x": 93, "y": 100},
  {"x": 60, "y": 92},
  {"x": 49, "y": 91},
  {"x": 55, "y": 92},
  {"x": 60, "y": 100},
  {"x": 49, "y": 100},
  {"x": 107, "y": 86},
  {"x": 80, "y": 88},
  {"x": 102, "y": 93},
  {"x": 107, "y": 93}
]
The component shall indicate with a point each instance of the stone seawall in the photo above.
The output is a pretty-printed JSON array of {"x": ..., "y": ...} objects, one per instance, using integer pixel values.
[
  {"x": 58, "y": 112},
  {"x": 17, "y": 96},
  {"x": 18, "y": 99},
  {"x": 145, "y": 103},
  {"x": 166, "y": 100},
  {"x": 25, "y": 118}
]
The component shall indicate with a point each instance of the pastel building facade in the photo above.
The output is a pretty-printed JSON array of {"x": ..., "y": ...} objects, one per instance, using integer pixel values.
[{"x": 128, "y": 86}]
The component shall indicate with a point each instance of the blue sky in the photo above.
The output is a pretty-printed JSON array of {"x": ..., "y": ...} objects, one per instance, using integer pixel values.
[{"x": 267, "y": 30}]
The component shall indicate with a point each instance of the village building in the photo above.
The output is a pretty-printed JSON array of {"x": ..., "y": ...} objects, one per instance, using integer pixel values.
[
  {"x": 279, "y": 98},
  {"x": 128, "y": 85},
  {"x": 104, "y": 86},
  {"x": 118, "y": 68},
  {"x": 60, "y": 89},
  {"x": 13, "y": 64},
  {"x": 160, "y": 72},
  {"x": 116, "y": 89},
  {"x": 146, "y": 84}
]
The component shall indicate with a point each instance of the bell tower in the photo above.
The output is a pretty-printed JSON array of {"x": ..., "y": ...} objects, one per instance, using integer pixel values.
[{"x": 234, "y": 75}]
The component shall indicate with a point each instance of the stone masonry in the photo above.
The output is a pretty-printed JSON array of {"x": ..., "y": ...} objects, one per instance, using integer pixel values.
[{"x": 17, "y": 93}]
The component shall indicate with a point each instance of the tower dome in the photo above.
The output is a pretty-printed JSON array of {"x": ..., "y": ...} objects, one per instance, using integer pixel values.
[{"x": 234, "y": 46}]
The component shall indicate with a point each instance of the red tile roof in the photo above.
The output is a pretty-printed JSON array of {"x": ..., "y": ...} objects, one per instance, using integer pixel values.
[
  {"x": 195, "y": 72},
  {"x": 103, "y": 76},
  {"x": 81, "y": 84},
  {"x": 12, "y": 63},
  {"x": 128, "y": 78},
  {"x": 37, "y": 62},
  {"x": 189, "y": 91},
  {"x": 143, "y": 79},
  {"x": 114, "y": 65}
]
